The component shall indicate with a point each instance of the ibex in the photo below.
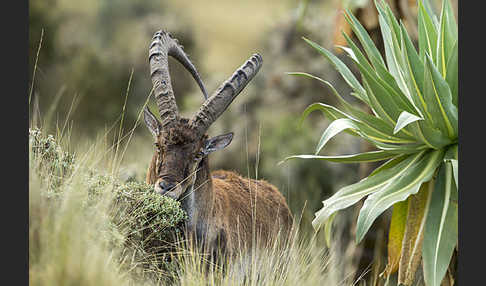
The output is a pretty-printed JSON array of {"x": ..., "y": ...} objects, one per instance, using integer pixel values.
[{"x": 225, "y": 211}]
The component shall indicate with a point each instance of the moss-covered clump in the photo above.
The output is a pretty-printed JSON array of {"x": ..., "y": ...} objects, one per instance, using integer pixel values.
[
  {"x": 151, "y": 224},
  {"x": 147, "y": 209},
  {"x": 145, "y": 215}
]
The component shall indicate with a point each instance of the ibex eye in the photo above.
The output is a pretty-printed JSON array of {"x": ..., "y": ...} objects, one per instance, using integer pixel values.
[
  {"x": 198, "y": 156},
  {"x": 157, "y": 147}
]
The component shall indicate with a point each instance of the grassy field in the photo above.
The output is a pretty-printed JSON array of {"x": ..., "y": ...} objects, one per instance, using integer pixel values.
[{"x": 87, "y": 226}]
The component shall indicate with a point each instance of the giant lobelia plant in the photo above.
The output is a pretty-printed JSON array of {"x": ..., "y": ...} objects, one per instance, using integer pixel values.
[{"x": 413, "y": 96}]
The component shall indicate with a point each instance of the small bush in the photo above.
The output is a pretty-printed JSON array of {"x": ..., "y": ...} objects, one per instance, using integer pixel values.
[
  {"x": 136, "y": 221},
  {"x": 48, "y": 159}
]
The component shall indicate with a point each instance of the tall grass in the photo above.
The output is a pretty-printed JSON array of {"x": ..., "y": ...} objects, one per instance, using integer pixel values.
[
  {"x": 68, "y": 243},
  {"x": 300, "y": 261},
  {"x": 83, "y": 232}
]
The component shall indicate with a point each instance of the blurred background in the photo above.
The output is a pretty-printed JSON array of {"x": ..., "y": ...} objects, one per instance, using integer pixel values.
[{"x": 92, "y": 55}]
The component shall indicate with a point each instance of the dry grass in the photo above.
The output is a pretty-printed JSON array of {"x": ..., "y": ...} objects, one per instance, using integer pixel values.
[{"x": 78, "y": 237}]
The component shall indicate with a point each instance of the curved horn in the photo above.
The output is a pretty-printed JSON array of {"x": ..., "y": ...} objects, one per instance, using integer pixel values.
[
  {"x": 161, "y": 47},
  {"x": 225, "y": 94}
]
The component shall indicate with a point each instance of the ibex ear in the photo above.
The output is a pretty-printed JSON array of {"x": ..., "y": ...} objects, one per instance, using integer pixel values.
[
  {"x": 152, "y": 123},
  {"x": 217, "y": 143}
]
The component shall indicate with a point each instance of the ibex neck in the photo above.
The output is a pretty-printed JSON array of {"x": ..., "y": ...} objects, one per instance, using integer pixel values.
[{"x": 199, "y": 201}]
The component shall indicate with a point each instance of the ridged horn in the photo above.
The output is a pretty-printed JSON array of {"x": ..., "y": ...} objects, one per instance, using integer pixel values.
[
  {"x": 225, "y": 94},
  {"x": 162, "y": 46}
]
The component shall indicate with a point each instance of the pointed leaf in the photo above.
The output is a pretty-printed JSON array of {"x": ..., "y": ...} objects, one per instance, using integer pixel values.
[
  {"x": 431, "y": 9},
  {"x": 440, "y": 235},
  {"x": 379, "y": 74},
  {"x": 365, "y": 40},
  {"x": 331, "y": 112},
  {"x": 384, "y": 78},
  {"x": 351, "y": 194},
  {"x": 379, "y": 68},
  {"x": 427, "y": 33},
  {"x": 404, "y": 119},
  {"x": 393, "y": 50},
  {"x": 398, "y": 190},
  {"x": 345, "y": 104},
  {"x": 349, "y": 51},
  {"x": 439, "y": 99},
  {"x": 451, "y": 24},
  {"x": 447, "y": 37},
  {"x": 451, "y": 74},
  {"x": 343, "y": 70},
  {"x": 333, "y": 129},
  {"x": 328, "y": 228},
  {"x": 388, "y": 164},
  {"x": 365, "y": 130},
  {"x": 398, "y": 148},
  {"x": 372, "y": 156},
  {"x": 396, "y": 67},
  {"x": 316, "y": 106},
  {"x": 391, "y": 19},
  {"x": 372, "y": 126},
  {"x": 455, "y": 171},
  {"x": 386, "y": 102},
  {"x": 414, "y": 72}
]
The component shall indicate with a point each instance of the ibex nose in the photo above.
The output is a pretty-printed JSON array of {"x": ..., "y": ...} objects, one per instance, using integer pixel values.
[{"x": 166, "y": 186}]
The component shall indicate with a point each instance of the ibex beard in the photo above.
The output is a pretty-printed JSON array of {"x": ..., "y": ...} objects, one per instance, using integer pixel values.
[{"x": 225, "y": 211}]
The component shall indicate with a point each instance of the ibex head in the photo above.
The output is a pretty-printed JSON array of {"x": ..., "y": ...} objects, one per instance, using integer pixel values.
[{"x": 181, "y": 143}]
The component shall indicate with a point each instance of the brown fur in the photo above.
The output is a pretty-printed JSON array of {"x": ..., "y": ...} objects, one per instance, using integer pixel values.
[
  {"x": 250, "y": 208},
  {"x": 225, "y": 210}
]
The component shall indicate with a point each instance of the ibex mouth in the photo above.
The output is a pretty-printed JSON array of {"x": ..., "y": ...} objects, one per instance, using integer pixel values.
[{"x": 173, "y": 191}]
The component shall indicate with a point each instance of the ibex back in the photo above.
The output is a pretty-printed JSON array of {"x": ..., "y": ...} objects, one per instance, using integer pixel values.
[{"x": 225, "y": 210}]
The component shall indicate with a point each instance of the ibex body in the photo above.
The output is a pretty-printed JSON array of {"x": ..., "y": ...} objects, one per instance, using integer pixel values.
[{"x": 224, "y": 209}]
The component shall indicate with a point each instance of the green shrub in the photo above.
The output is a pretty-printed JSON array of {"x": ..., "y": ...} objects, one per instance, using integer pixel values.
[
  {"x": 139, "y": 222},
  {"x": 48, "y": 158},
  {"x": 147, "y": 217},
  {"x": 413, "y": 96}
]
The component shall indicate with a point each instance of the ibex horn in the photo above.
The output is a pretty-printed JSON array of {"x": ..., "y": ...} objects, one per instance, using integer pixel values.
[
  {"x": 225, "y": 94},
  {"x": 161, "y": 47}
]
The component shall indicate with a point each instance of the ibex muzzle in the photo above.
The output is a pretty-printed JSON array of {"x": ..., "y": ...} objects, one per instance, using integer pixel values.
[{"x": 219, "y": 205}]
